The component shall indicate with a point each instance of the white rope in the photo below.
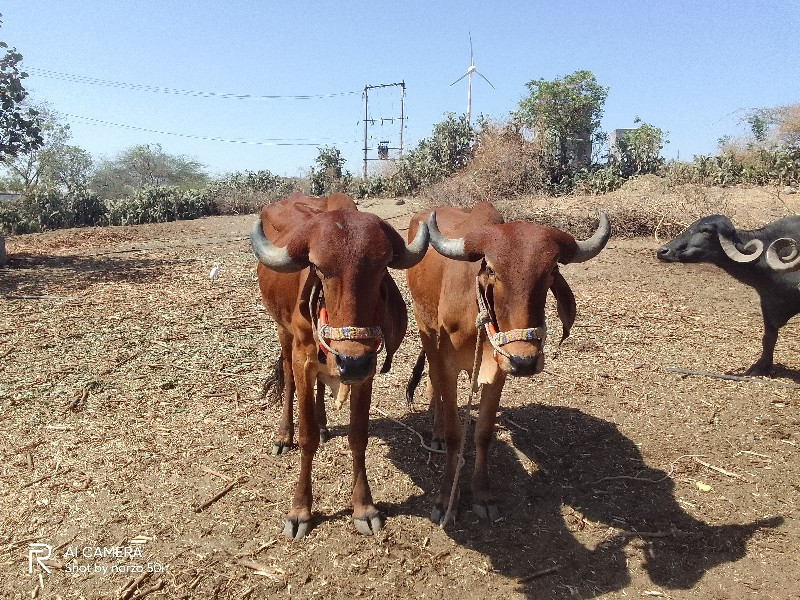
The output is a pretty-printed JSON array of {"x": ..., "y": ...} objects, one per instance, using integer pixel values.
[{"x": 482, "y": 318}]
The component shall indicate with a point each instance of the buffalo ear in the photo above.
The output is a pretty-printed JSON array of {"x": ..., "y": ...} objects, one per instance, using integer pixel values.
[{"x": 565, "y": 302}]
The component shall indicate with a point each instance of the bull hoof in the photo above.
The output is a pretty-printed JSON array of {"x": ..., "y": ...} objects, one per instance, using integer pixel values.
[
  {"x": 438, "y": 445},
  {"x": 295, "y": 530},
  {"x": 368, "y": 526},
  {"x": 324, "y": 435},
  {"x": 438, "y": 512},
  {"x": 487, "y": 512},
  {"x": 279, "y": 448}
]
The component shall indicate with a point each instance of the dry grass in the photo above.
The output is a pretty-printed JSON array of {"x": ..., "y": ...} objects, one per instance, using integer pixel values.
[{"x": 130, "y": 392}]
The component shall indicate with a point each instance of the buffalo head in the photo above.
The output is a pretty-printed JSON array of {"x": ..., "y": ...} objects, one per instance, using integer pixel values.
[{"x": 711, "y": 239}]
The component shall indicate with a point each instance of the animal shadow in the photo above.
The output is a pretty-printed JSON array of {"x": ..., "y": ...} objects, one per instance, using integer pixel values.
[
  {"x": 35, "y": 274},
  {"x": 568, "y": 479}
]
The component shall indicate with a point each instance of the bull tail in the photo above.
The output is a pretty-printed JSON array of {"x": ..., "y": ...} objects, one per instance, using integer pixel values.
[
  {"x": 273, "y": 385},
  {"x": 416, "y": 375}
]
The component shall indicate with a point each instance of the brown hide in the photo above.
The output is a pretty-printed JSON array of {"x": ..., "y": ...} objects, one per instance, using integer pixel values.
[
  {"x": 516, "y": 263},
  {"x": 349, "y": 251}
]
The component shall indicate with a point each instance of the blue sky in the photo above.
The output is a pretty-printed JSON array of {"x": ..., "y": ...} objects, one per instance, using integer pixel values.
[{"x": 690, "y": 68}]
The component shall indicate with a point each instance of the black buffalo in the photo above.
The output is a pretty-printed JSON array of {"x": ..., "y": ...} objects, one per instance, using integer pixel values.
[{"x": 741, "y": 254}]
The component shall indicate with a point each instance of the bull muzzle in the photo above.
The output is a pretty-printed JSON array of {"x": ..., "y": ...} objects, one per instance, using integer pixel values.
[
  {"x": 521, "y": 366},
  {"x": 518, "y": 365},
  {"x": 355, "y": 369}
]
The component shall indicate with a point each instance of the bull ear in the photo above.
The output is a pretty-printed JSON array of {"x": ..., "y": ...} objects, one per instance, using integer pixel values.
[
  {"x": 565, "y": 303},
  {"x": 274, "y": 257},
  {"x": 588, "y": 249}
]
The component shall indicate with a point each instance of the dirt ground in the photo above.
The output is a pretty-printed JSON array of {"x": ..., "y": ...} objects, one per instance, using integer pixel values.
[{"x": 130, "y": 388}]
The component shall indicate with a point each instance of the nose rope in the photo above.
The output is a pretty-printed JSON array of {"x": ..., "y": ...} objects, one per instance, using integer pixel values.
[
  {"x": 501, "y": 338},
  {"x": 322, "y": 331}
]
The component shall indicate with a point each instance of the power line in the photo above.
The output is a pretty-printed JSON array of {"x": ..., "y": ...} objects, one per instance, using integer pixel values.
[
  {"x": 175, "y": 91},
  {"x": 262, "y": 142}
]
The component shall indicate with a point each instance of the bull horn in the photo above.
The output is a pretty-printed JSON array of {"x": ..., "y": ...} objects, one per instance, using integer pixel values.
[
  {"x": 414, "y": 251},
  {"x": 753, "y": 249},
  {"x": 588, "y": 249},
  {"x": 790, "y": 262},
  {"x": 449, "y": 247},
  {"x": 272, "y": 256}
]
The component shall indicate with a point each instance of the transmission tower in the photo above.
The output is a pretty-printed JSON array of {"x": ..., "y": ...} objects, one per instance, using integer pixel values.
[{"x": 383, "y": 146}]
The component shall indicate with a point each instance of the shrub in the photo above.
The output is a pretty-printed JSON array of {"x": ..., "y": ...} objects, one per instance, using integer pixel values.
[
  {"x": 159, "y": 204},
  {"x": 598, "y": 180},
  {"x": 47, "y": 210},
  {"x": 247, "y": 192},
  {"x": 447, "y": 150},
  {"x": 740, "y": 165}
]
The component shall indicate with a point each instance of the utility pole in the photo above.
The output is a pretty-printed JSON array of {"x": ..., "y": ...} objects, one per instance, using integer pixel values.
[{"x": 383, "y": 149}]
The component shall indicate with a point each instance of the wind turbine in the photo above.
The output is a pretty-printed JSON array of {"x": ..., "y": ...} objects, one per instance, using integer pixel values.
[{"x": 468, "y": 75}]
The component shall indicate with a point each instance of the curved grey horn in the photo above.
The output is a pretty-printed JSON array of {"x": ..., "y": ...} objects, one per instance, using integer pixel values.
[
  {"x": 272, "y": 256},
  {"x": 588, "y": 249},
  {"x": 449, "y": 247},
  {"x": 753, "y": 249},
  {"x": 414, "y": 251},
  {"x": 788, "y": 262}
]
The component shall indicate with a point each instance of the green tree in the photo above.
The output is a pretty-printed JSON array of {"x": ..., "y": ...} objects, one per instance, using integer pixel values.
[
  {"x": 19, "y": 125},
  {"x": 55, "y": 165},
  {"x": 759, "y": 126},
  {"x": 638, "y": 151},
  {"x": 447, "y": 150},
  {"x": 146, "y": 165},
  {"x": 329, "y": 176},
  {"x": 564, "y": 115}
]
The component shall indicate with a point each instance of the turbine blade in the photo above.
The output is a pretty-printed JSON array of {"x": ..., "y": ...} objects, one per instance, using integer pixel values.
[
  {"x": 484, "y": 78},
  {"x": 471, "y": 61},
  {"x": 460, "y": 78}
]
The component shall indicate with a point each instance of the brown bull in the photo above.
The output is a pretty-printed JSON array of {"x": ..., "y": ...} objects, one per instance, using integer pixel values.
[
  {"x": 323, "y": 278},
  {"x": 506, "y": 269}
]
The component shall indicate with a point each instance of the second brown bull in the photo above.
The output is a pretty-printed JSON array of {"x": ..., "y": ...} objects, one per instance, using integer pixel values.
[{"x": 505, "y": 269}]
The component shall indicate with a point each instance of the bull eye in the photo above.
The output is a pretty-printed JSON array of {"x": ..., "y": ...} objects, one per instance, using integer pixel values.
[{"x": 490, "y": 271}]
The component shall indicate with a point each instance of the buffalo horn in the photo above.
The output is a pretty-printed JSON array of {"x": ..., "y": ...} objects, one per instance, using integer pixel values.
[
  {"x": 753, "y": 250},
  {"x": 588, "y": 249},
  {"x": 272, "y": 256},
  {"x": 789, "y": 262},
  {"x": 449, "y": 247},
  {"x": 414, "y": 251}
]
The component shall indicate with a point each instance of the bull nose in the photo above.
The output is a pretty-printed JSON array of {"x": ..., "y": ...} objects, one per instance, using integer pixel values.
[
  {"x": 662, "y": 253},
  {"x": 523, "y": 366},
  {"x": 353, "y": 369}
]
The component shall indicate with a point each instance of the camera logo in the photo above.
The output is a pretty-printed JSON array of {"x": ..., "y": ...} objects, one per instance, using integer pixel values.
[{"x": 39, "y": 553}]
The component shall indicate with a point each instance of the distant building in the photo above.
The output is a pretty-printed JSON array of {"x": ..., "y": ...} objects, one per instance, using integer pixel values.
[
  {"x": 9, "y": 196},
  {"x": 580, "y": 151}
]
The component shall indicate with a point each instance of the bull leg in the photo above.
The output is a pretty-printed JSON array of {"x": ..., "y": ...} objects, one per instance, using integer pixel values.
[
  {"x": 445, "y": 383},
  {"x": 322, "y": 416},
  {"x": 285, "y": 434},
  {"x": 366, "y": 517},
  {"x": 435, "y": 412},
  {"x": 483, "y": 501},
  {"x": 298, "y": 521}
]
